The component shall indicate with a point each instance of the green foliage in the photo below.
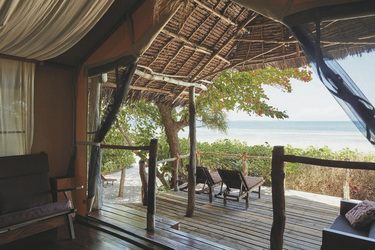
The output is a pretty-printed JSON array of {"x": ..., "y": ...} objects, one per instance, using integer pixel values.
[
  {"x": 234, "y": 90},
  {"x": 302, "y": 177},
  {"x": 112, "y": 159},
  {"x": 256, "y": 167}
]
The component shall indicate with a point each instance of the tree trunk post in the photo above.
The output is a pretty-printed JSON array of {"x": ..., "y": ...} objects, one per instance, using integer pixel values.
[
  {"x": 198, "y": 158},
  {"x": 278, "y": 198},
  {"x": 346, "y": 186},
  {"x": 244, "y": 164},
  {"x": 151, "y": 199},
  {"x": 122, "y": 183},
  {"x": 193, "y": 149},
  {"x": 175, "y": 173},
  {"x": 143, "y": 176}
]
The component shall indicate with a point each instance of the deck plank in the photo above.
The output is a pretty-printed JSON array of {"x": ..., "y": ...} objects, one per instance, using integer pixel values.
[
  {"x": 134, "y": 222},
  {"x": 234, "y": 226}
]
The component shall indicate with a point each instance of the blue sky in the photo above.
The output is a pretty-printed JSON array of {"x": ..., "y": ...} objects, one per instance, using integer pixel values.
[{"x": 311, "y": 101}]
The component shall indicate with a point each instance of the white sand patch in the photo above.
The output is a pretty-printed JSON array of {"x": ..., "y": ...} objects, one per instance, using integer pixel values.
[{"x": 132, "y": 186}]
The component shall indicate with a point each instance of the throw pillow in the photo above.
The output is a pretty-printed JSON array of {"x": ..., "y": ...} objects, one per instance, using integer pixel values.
[{"x": 362, "y": 214}]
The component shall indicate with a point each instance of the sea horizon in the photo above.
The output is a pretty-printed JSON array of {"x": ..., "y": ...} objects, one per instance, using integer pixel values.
[{"x": 300, "y": 134}]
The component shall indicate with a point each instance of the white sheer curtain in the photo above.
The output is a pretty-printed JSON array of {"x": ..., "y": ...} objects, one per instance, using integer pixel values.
[
  {"x": 40, "y": 29},
  {"x": 16, "y": 107}
]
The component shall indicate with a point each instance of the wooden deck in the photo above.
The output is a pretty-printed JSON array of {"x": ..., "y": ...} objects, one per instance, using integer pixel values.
[
  {"x": 87, "y": 237},
  {"x": 234, "y": 226},
  {"x": 133, "y": 222},
  {"x": 214, "y": 226}
]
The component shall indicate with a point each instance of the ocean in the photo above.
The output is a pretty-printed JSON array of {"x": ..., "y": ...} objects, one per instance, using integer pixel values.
[{"x": 334, "y": 134}]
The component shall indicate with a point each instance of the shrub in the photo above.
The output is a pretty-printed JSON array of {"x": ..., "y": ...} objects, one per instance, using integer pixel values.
[{"x": 314, "y": 179}]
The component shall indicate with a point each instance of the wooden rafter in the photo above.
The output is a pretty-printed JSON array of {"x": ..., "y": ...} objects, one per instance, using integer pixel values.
[
  {"x": 240, "y": 62},
  {"x": 158, "y": 77},
  {"x": 246, "y": 22},
  {"x": 250, "y": 40},
  {"x": 161, "y": 50},
  {"x": 198, "y": 48},
  {"x": 214, "y": 12},
  {"x": 148, "y": 89}
]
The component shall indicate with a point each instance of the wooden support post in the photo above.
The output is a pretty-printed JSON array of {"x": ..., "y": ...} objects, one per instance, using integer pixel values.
[
  {"x": 198, "y": 158},
  {"x": 175, "y": 173},
  {"x": 151, "y": 199},
  {"x": 244, "y": 164},
  {"x": 122, "y": 183},
  {"x": 346, "y": 185},
  {"x": 193, "y": 149},
  {"x": 143, "y": 176},
  {"x": 278, "y": 198}
]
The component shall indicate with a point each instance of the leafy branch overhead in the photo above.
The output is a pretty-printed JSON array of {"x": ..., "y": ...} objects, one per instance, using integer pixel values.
[{"x": 243, "y": 91}]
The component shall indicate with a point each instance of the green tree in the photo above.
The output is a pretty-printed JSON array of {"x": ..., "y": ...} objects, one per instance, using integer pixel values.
[{"x": 232, "y": 90}]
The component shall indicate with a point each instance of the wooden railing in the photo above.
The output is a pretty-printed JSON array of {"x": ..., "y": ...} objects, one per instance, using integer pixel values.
[
  {"x": 243, "y": 156},
  {"x": 151, "y": 188},
  {"x": 278, "y": 186},
  {"x": 175, "y": 174}
]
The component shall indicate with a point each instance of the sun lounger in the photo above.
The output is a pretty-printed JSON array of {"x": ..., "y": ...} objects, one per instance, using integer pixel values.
[
  {"x": 209, "y": 181},
  {"x": 234, "y": 179},
  {"x": 107, "y": 179}
]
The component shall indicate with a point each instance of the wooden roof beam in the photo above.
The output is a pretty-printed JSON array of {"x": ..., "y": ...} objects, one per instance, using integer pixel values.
[
  {"x": 194, "y": 46},
  {"x": 148, "y": 89},
  {"x": 240, "y": 62},
  {"x": 159, "y": 77},
  {"x": 246, "y": 22},
  {"x": 214, "y": 12},
  {"x": 265, "y": 41}
]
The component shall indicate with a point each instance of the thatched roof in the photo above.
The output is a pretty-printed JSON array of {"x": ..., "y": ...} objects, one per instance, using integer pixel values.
[{"x": 206, "y": 37}]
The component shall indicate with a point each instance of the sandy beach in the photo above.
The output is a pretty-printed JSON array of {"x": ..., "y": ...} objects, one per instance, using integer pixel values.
[{"x": 132, "y": 190}]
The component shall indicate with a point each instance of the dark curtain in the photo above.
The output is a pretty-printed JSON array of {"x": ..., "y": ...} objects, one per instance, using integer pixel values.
[
  {"x": 123, "y": 82},
  {"x": 336, "y": 80}
]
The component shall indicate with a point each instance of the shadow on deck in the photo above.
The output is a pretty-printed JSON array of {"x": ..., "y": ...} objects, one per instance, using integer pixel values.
[{"x": 234, "y": 226}]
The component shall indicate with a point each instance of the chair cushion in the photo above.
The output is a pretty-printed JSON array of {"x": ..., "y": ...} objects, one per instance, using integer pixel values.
[
  {"x": 253, "y": 181},
  {"x": 34, "y": 213},
  {"x": 342, "y": 224},
  {"x": 216, "y": 177},
  {"x": 362, "y": 214},
  {"x": 372, "y": 231}
]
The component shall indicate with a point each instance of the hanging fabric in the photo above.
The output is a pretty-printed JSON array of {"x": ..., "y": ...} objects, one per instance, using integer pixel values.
[
  {"x": 42, "y": 29},
  {"x": 122, "y": 86},
  {"x": 336, "y": 80},
  {"x": 16, "y": 107}
]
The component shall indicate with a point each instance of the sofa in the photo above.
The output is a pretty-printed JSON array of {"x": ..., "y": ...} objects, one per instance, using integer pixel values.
[
  {"x": 26, "y": 205},
  {"x": 341, "y": 234}
]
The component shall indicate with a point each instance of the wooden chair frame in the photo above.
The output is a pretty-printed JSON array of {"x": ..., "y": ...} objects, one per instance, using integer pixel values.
[
  {"x": 203, "y": 176},
  {"x": 234, "y": 179}
]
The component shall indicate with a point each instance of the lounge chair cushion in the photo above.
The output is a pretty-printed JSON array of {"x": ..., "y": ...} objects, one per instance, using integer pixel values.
[
  {"x": 253, "y": 181},
  {"x": 216, "y": 177},
  {"x": 372, "y": 231},
  {"x": 342, "y": 224},
  {"x": 362, "y": 214},
  {"x": 34, "y": 213}
]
